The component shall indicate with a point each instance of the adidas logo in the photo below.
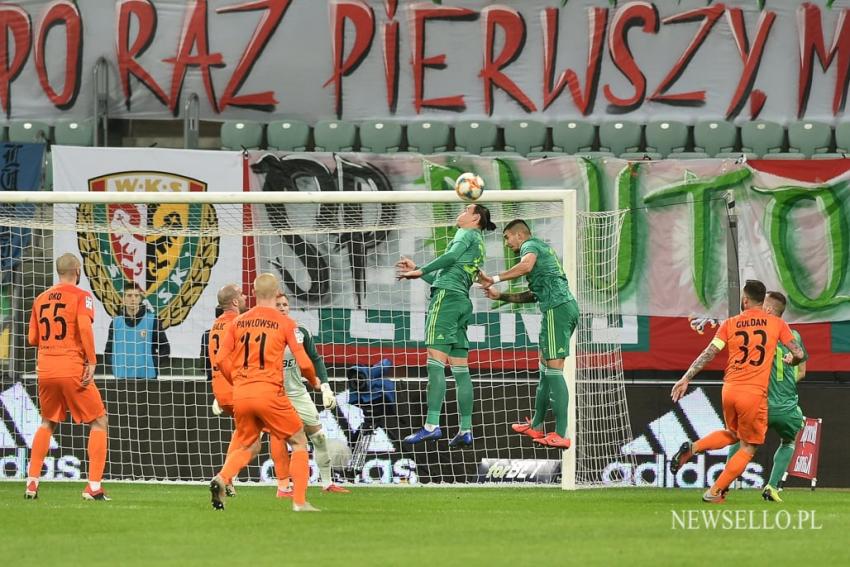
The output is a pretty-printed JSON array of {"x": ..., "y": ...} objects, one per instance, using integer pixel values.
[
  {"x": 20, "y": 420},
  {"x": 694, "y": 417}
]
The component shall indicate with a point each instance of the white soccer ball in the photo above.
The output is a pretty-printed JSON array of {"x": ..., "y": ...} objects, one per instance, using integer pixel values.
[{"x": 469, "y": 186}]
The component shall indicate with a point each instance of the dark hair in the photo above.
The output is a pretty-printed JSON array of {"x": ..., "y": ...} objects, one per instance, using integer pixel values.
[
  {"x": 133, "y": 286},
  {"x": 779, "y": 298},
  {"x": 517, "y": 223},
  {"x": 484, "y": 221},
  {"x": 755, "y": 290}
]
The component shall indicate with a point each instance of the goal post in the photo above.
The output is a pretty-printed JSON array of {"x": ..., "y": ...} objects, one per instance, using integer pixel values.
[{"x": 334, "y": 252}]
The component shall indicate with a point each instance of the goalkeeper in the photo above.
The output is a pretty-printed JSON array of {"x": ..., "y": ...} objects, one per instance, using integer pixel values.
[
  {"x": 783, "y": 414},
  {"x": 306, "y": 409},
  {"x": 548, "y": 286},
  {"x": 449, "y": 314}
]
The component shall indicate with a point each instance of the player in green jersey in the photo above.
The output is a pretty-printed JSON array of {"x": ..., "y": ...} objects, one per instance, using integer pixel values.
[
  {"x": 548, "y": 287},
  {"x": 449, "y": 314},
  {"x": 783, "y": 414}
]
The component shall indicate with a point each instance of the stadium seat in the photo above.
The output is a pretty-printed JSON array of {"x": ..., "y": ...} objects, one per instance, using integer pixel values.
[
  {"x": 621, "y": 138},
  {"x": 666, "y": 137},
  {"x": 288, "y": 135},
  {"x": 74, "y": 132},
  {"x": 428, "y": 137},
  {"x": 28, "y": 131},
  {"x": 525, "y": 136},
  {"x": 716, "y": 138},
  {"x": 842, "y": 143},
  {"x": 809, "y": 138},
  {"x": 476, "y": 137},
  {"x": 762, "y": 138},
  {"x": 239, "y": 134},
  {"x": 334, "y": 136},
  {"x": 574, "y": 137},
  {"x": 380, "y": 137}
]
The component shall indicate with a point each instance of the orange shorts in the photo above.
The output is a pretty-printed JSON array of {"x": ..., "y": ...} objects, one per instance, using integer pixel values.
[
  {"x": 57, "y": 396},
  {"x": 745, "y": 413},
  {"x": 273, "y": 414}
]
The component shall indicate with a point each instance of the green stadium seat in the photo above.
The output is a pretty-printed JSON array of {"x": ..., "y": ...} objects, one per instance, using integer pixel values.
[
  {"x": 288, "y": 135},
  {"x": 29, "y": 131},
  {"x": 842, "y": 143},
  {"x": 476, "y": 137},
  {"x": 380, "y": 137},
  {"x": 525, "y": 136},
  {"x": 239, "y": 134},
  {"x": 573, "y": 137},
  {"x": 716, "y": 138},
  {"x": 762, "y": 138},
  {"x": 428, "y": 137},
  {"x": 335, "y": 136},
  {"x": 666, "y": 137},
  {"x": 809, "y": 138},
  {"x": 74, "y": 132},
  {"x": 620, "y": 137}
]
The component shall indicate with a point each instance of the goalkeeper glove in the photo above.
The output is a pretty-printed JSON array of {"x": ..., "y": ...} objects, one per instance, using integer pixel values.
[
  {"x": 216, "y": 409},
  {"x": 328, "y": 397}
]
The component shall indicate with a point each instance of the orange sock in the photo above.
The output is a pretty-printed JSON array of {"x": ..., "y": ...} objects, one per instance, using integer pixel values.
[
  {"x": 300, "y": 471},
  {"x": 235, "y": 462},
  {"x": 40, "y": 446},
  {"x": 714, "y": 440},
  {"x": 734, "y": 467},
  {"x": 97, "y": 454},
  {"x": 280, "y": 456}
]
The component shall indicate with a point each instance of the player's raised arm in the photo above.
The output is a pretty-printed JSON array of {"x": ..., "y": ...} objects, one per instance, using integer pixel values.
[
  {"x": 224, "y": 357},
  {"x": 296, "y": 345},
  {"x": 328, "y": 397},
  {"x": 717, "y": 344},
  {"x": 786, "y": 337}
]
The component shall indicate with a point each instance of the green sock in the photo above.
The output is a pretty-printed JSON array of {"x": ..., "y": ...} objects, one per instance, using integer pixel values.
[
  {"x": 560, "y": 399},
  {"x": 436, "y": 390},
  {"x": 541, "y": 400},
  {"x": 732, "y": 450},
  {"x": 781, "y": 459},
  {"x": 465, "y": 397}
]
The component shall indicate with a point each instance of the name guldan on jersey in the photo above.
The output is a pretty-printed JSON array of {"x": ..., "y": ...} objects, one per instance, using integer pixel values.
[
  {"x": 751, "y": 323},
  {"x": 257, "y": 323}
]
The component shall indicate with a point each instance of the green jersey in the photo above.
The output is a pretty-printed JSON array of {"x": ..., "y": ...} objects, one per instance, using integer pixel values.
[
  {"x": 293, "y": 381},
  {"x": 459, "y": 266},
  {"x": 546, "y": 279},
  {"x": 782, "y": 392}
]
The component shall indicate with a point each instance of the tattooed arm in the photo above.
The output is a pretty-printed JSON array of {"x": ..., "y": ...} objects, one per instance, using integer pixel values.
[
  {"x": 681, "y": 387},
  {"x": 520, "y": 297}
]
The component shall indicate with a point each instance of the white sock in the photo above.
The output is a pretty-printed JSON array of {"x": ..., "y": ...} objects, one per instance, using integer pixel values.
[
  {"x": 31, "y": 479},
  {"x": 429, "y": 428},
  {"x": 95, "y": 486},
  {"x": 465, "y": 431},
  {"x": 323, "y": 458}
]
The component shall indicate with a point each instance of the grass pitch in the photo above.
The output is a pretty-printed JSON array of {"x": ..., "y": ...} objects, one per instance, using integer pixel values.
[{"x": 175, "y": 525}]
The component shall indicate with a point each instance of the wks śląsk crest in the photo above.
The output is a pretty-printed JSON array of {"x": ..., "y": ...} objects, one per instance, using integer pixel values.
[{"x": 169, "y": 250}]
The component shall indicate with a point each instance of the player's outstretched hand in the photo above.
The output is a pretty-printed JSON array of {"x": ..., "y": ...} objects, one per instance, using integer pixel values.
[
  {"x": 492, "y": 292},
  {"x": 485, "y": 280},
  {"x": 680, "y": 388},
  {"x": 409, "y": 275},
  {"x": 328, "y": 397},
  {"x": 88, "y": 375},
  {"x": 405, "y": 264},
  {"x": 216, "y": 409},
  {"x": 788, "y": 358}
]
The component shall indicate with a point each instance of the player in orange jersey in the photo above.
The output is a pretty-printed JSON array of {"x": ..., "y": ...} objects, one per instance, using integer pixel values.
[
  {"x": 232, "y": 302},
  {"x": 752, "y": 337},
  {"x": 251, "y": 355},
  {"x": 61, "y": 327}
]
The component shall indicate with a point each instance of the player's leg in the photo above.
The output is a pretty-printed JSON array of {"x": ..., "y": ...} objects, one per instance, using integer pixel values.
[
  {"x": 751, "y": 412},
  {"x": 714, "y": 440},
  {"x": 248, "y": 427},
  {"x": 300, "y": 470},
  {"x": 280, "y": 458},
  {"x": 459, "y": 359},
  {"x": 51, "y": 400},
  {"x": 534, "y": 427},
  {"x": 557, "y": 327},
  {"x": 317, "y": 437},
  {"x": 87, "y": 407},
  {"x": 787, "y": 424}
]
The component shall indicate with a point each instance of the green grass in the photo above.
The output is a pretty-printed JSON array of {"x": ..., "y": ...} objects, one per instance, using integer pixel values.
[{"x": 174, "y": 525}]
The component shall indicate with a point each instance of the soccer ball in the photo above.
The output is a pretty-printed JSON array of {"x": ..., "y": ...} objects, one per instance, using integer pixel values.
[{"x": 469, "y": 186}]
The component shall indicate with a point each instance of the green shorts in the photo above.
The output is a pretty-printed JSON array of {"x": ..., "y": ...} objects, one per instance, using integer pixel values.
[
  {"x": 787, "y": 423},
  {"x": 556, "y": 328},
  {"x": 449, "y": 314}
]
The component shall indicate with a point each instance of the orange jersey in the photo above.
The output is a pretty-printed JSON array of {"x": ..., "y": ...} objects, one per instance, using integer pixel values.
[
  {"x": 61, "y": 328},
  {"x": 222, "y": 387},
  {"x": 752, "y": 337},
  {"x": 252, "y": 352}
]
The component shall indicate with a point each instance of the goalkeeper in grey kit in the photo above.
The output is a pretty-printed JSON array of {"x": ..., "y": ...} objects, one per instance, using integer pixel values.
[
  {"x": 548, "y": 287},
  {"x": 293, "y": 383}
]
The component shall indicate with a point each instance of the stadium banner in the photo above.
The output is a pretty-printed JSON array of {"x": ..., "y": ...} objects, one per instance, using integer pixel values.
[
  {"x": 804, "y": 461},
  {"x": 168, "y": 433},
  {"x": 360, "y": 59},
  {"x": 179, "y": 277},
  {"x": 672, "y": 257}
]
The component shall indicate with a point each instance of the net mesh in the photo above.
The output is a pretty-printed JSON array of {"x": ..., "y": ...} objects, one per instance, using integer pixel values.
[{"x": 337, "y": 264}]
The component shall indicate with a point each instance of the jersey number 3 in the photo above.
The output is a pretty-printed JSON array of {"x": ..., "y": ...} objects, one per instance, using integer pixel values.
[{"x": 746, "y": 347}]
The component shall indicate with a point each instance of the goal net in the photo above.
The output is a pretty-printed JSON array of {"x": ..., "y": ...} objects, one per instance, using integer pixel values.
[{"x": 154, "y": 267}]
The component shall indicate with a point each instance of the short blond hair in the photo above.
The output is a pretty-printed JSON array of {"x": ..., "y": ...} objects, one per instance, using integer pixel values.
[
  {"x": 67, "y": 263},
  {"x": 266, "y": 286}
]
